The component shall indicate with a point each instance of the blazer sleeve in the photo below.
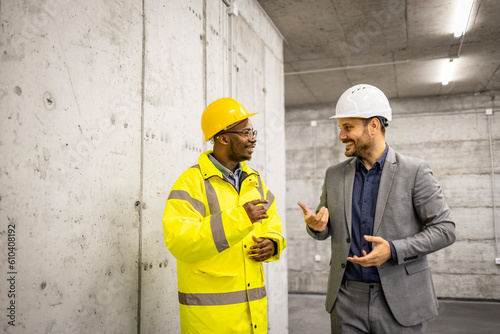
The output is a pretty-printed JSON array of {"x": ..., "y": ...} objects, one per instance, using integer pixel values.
[
  {"x": 437, "y": 227},
  {"x": 322, "y": 203}
]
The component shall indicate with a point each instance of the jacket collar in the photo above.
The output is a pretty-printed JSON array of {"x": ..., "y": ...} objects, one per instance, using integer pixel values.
[{"x": 208, "y": 169}]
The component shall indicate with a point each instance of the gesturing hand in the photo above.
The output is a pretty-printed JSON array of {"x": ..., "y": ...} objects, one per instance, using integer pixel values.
[
  {"x": 255, "y": 211},
  {"x": 380, "y": 253},
  {"x": 263, "y": 250},
  {"x": 315, "y": 221}
]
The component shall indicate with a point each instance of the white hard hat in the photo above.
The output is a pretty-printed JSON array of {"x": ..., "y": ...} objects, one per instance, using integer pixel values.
[{"x": 363, "y": 101}]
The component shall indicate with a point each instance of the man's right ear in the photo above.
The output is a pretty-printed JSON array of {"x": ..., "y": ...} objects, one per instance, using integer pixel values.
[{"x": 222, "y": 139}]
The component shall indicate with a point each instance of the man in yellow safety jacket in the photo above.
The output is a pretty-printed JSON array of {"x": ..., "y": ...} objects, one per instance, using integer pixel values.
[{"x": 221, "y": 223}]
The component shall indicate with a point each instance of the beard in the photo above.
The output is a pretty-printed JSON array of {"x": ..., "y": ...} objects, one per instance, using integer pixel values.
[
  {"x": 239, "y": 155},
  {"x": 360, "y": 147}
]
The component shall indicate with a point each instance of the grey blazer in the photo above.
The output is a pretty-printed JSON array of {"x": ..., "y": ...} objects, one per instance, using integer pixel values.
[{"x": 411, "y": 212}]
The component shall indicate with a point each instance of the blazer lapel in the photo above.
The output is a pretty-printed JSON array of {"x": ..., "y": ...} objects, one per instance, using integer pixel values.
[
  {"x": 384, "y": 189},
  {"x": 349, "y": 173}
]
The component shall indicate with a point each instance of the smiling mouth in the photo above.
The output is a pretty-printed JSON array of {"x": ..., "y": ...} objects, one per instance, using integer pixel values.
[{"x": 349, "y": 144}]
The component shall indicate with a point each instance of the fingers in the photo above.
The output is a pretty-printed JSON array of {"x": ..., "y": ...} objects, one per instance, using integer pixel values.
[
  {"x": 379, "y": 255},
  {"x": 371, "y": 238},
  {"x": 258, "y": 201},
  {"x": 322, "y": 215},
  {"x": 255, "y": 210},
  {"x": 319, "y": 221},
  {"x": 262, "y": 251},
  {"x": 257, "y": 240},
  {"x": 260, "y": 213},
  {"x": 304, "y": 208}
]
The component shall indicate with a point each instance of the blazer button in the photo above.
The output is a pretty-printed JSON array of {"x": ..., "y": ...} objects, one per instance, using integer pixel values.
[
  {"x": 342, "y": 265},
  {"x": 348, "y": 240}
]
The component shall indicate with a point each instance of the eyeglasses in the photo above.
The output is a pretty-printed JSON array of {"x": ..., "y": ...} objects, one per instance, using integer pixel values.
[{"x": 245, "y": 133}]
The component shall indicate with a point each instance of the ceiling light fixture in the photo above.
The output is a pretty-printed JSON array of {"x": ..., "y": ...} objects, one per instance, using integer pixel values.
[
  {"x": 462, "y": 16},
  {"x": 448, "y": 67}
]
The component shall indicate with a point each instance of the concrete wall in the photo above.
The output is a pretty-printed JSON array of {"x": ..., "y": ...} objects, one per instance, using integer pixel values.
[
  {"x": 100, "y": 104},
  {"x": 452, "y": 134}
]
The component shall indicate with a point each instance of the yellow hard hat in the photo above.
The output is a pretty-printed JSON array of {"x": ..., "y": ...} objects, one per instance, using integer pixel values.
[{"x": 220, "y": 114}]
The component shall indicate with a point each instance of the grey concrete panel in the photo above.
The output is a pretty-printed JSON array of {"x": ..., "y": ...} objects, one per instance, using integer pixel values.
[
  {"x": 307, "y": 168},
  {"x": 449, "y": 105},
  {"x": 439, "y": 128},
  {"x": 466, "y": 257},
  {"x": 173, "y": 141},
  {"x": 218, "y": 70},
  {"x": 259, "y": 22},
  {"x": 468, "y": 190},
  {"x": 295, "y": 223},
  {"x": 305, "y": 190},
  {"x": 70, "y": 173},
  {"x": 296, "y": 91},
  {"x": 274, "y": 141},
  {"x": 318, "y": 112},
  {"x": 474, "y": 223},
  {"x": 306, "y": 281},
  {"x": 465, "y": 155},
  {"x": 468, "y": 286},
  {"x": 248, "y": 58}
]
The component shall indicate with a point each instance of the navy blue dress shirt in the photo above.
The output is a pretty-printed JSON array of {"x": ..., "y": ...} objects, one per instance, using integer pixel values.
[{"x": 364, "y": 201}]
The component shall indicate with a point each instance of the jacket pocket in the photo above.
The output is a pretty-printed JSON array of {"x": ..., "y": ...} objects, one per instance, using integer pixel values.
[{"x": 417, "y": 266}]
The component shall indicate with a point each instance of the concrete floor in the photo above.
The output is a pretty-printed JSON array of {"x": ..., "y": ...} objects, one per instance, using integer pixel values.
[{"x": 307, "y": 315}]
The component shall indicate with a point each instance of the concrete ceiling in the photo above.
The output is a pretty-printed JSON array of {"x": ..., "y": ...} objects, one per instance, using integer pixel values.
[{"x": 400, "y": 46}]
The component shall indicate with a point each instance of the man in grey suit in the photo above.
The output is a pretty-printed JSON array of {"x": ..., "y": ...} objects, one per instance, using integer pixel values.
[{"x": 384, "y": 212}]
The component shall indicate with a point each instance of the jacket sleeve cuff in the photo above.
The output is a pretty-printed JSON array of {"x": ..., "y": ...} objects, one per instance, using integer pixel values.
[{"x": 275, "y": 247}]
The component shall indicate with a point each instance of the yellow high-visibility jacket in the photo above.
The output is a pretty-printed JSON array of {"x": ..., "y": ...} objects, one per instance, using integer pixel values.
[{"x": 221, "y": 290}]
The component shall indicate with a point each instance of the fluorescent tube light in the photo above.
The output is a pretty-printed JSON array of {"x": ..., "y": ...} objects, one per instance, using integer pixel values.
[
  {"x": 448, "y": 67},
  {"x": 462, "y": 16}
]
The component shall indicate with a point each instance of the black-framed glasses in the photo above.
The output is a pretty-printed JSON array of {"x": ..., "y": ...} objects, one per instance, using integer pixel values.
[{"x": 249, "y": 134}]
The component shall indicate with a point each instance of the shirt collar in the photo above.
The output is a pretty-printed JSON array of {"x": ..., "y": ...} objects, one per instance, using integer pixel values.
[
  {"x": 379, "y": 164},
  {"x": 225, "y": 171}
]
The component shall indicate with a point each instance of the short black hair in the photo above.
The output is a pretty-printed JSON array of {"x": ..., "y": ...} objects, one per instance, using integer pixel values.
[{"x": 383, "y": 122}]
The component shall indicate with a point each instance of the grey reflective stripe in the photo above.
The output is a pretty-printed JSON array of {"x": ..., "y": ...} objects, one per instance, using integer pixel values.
[
  {"x": 283, "y": 238},
  {"x": 256, "y": 294},
  {"x": 270, "y": 198},
  {"x": 218, "y": 232},
  {"x": 226, "y": 298},
  {"x": 216, "y": 218},
  {"x": 184, "y": 195},
  {"x": 213, "y": 201},
  {"x": 261, "y": 190}
]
